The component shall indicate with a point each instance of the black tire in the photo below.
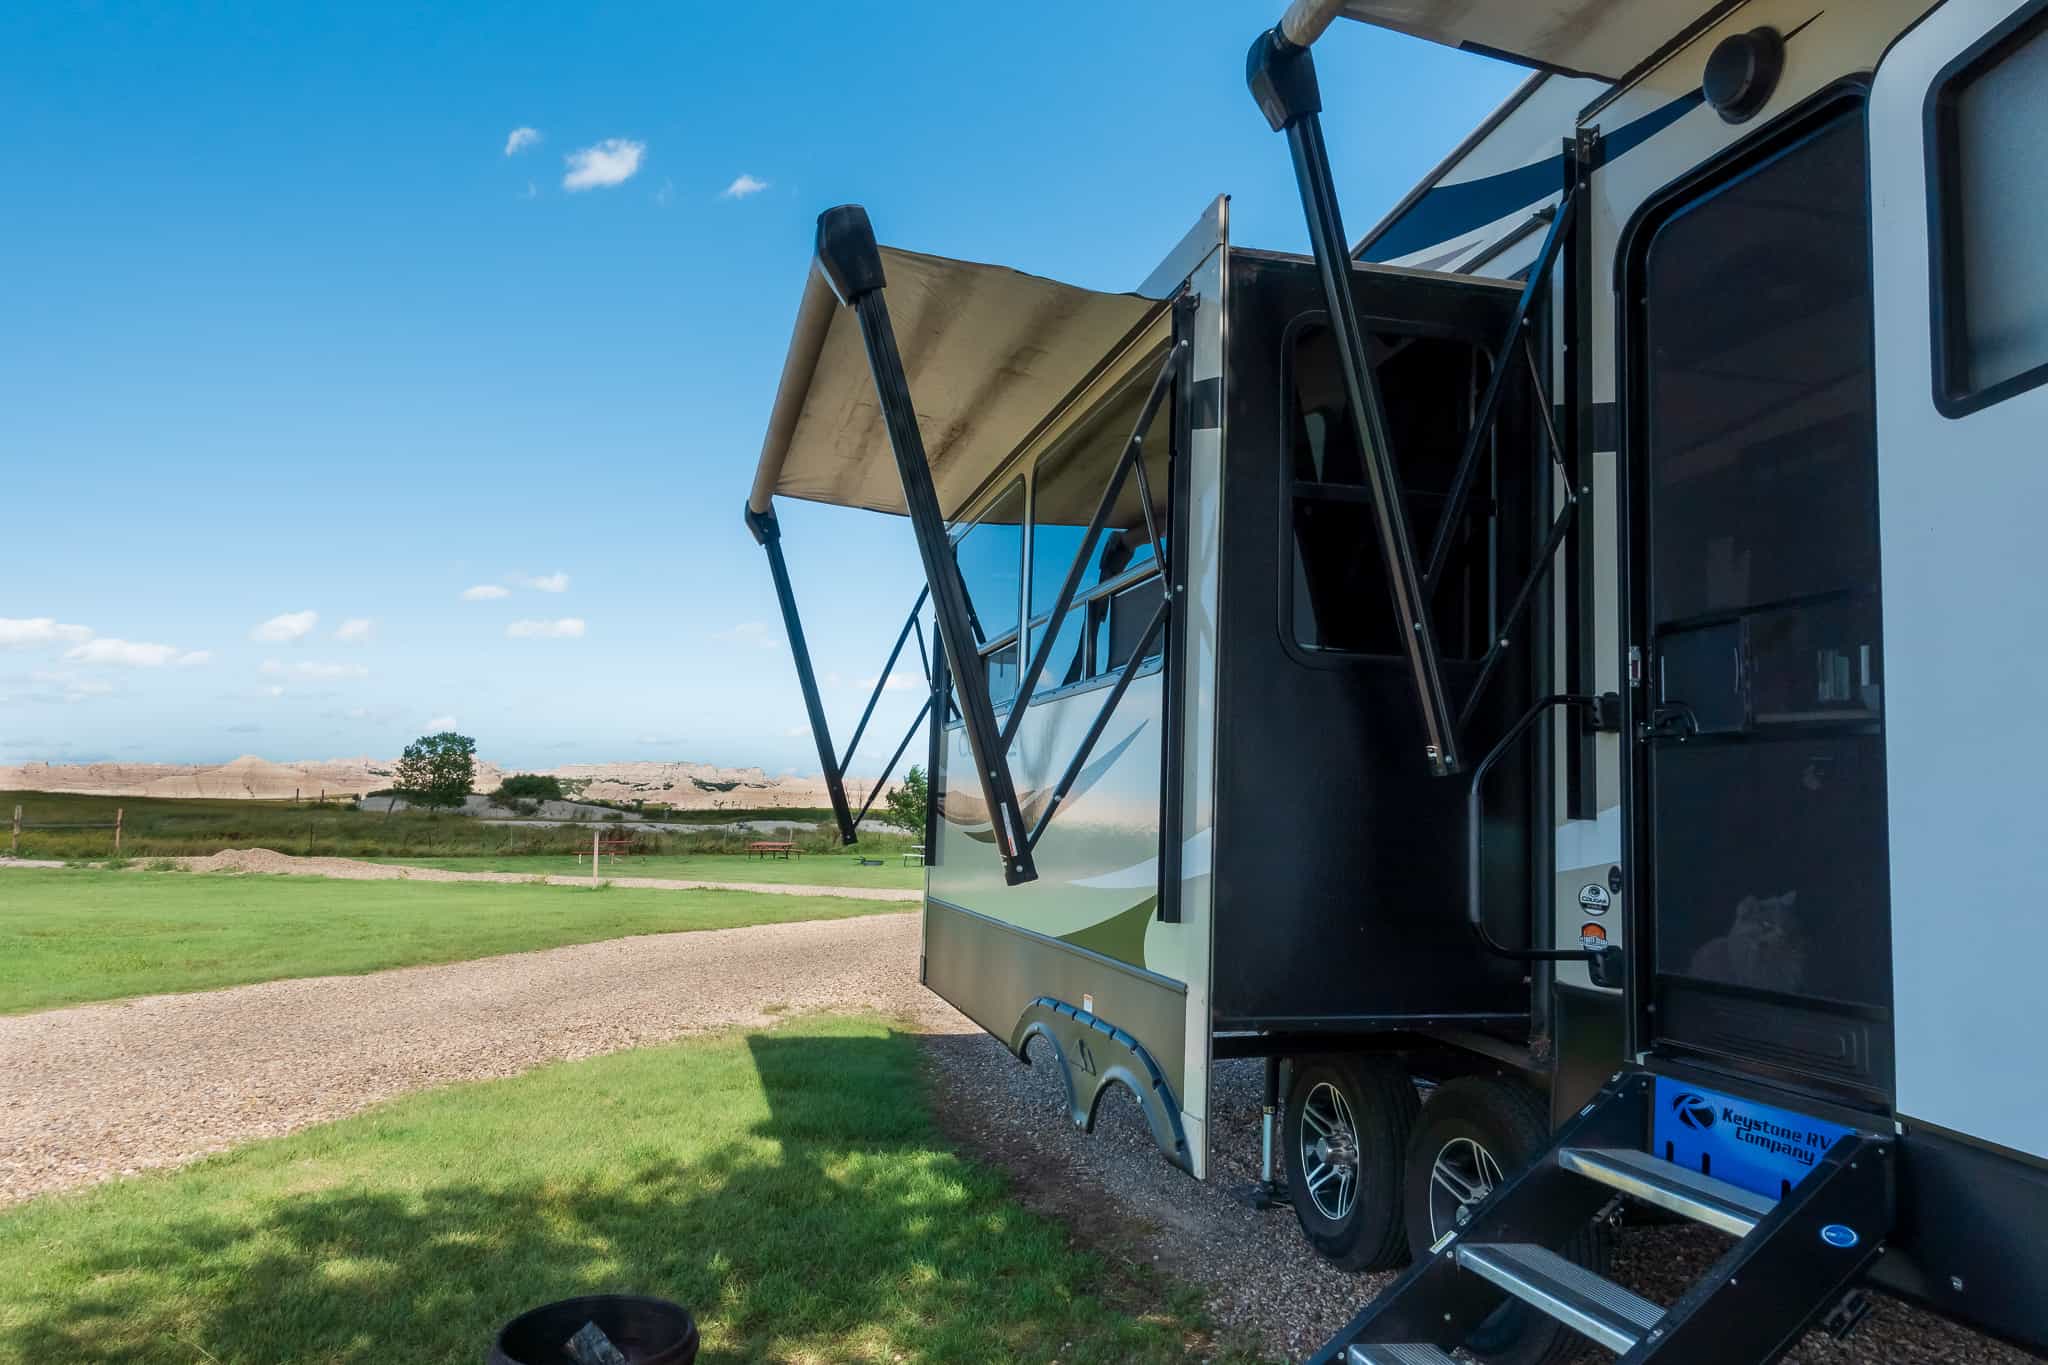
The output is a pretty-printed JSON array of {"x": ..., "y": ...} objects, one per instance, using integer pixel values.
[
  {"x": 1362, "y": 1227},
  {"x": 1510, "y": 1123}
]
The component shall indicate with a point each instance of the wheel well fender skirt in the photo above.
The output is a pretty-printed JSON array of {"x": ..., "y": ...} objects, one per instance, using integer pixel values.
[{"x": 1093, "y": 1055}]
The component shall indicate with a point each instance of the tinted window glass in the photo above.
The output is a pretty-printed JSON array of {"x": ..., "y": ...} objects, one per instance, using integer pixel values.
[
  {"x": 1760, "y": 425},
  {"x": 1003, "y": 674},
  {"x": 1069, "y": 486},
  {"x": 1995, "y": 143},
  {"x": 1119, "y": 621},
  {"x": 1339, "y": 599},
  {"x": 991, "y": 558},
  {"x": 1068, "y": 663}
]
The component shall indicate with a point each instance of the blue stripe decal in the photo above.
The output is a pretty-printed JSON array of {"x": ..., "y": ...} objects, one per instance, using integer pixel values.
[{"x": 1449, "y": 211}]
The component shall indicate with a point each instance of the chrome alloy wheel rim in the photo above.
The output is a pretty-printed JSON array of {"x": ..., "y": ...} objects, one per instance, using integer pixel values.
[
  {"x": 1329, "y": 1152},
  {"x": 1460, "y": 1178}
]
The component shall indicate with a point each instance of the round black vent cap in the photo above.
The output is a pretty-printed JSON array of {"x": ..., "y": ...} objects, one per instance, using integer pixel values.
[{"x": 1742, "y": 72}]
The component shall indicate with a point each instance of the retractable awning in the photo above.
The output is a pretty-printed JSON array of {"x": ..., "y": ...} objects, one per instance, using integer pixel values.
[
  {"x": 989, "y": 351},
  {"x": 1604, "y": 38}
]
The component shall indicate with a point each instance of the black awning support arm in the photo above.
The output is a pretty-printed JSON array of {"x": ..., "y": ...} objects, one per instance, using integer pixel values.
[
  {"x": 1153, "y": 626},
  {"x": 852, "y": 264},
  {"x": 1533, "y": 290},
  {"x": 882, "y": 782},
  {"x": 1575, "y": 495},
  {"x": 1282, "y": 78},
  {"x": 768, "y": 532},
  {"x": 881, "y": 683},
  {"x": 1132, "y": 458}
]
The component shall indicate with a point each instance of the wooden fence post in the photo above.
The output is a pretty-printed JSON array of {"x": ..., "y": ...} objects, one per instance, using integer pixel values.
[
  {"x": 593, "y": 857},
  {"x": 14, "y": 841},
  {"x": 117, "y": 831}
]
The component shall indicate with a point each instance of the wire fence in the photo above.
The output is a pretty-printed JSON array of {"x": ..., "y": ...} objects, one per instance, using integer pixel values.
[{"x": 19, "y": 824}]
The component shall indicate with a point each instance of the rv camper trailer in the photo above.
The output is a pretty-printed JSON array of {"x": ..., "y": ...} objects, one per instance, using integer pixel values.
[{"x": 1563, "y": 653}]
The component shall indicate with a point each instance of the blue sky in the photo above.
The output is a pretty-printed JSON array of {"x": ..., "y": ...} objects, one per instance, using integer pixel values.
[{"x": 299, "y": 336}]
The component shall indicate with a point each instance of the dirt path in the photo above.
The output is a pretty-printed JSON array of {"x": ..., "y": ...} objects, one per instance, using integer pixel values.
[
  {"x": 350, "y": 869},
  {"x": 102, "y": 1090}
]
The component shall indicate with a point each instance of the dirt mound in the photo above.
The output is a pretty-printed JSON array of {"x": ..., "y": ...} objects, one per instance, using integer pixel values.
[{"x": 270, "y": 860}]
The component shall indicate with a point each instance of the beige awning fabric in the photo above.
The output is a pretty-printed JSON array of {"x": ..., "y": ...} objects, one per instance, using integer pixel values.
[
  {"x": 1603, "y": 38},
  {"x": 989, "y": 352}
]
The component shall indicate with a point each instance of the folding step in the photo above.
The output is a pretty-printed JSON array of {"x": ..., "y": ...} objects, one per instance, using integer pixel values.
[
  {"x": 1564, "y": 1290},
  {"x": 1689, "y": 1194},
  {"x": 1401, "y": 1353}
]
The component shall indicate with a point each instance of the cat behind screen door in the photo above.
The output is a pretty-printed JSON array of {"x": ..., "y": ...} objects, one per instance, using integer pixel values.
[{"x": 1765, "y": 947}]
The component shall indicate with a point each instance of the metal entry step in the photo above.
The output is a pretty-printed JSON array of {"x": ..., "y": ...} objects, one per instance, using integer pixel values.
[
  {"x": 1400, "y": 1353},
  {"x": 1689, "y": 1194},
  {"x": 1575, "y": 1296}
]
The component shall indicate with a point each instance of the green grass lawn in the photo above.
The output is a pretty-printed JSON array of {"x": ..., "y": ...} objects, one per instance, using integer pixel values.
[
  {"x": 154, "y": 826},
  {"x": 68, "y": 935},
  {"x": 831, "y": 869},
  {"x": 786, "y": 1186}
]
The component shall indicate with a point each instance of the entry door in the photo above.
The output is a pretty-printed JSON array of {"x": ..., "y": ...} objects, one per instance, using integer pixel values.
[
  {"x": 1761, "y": 749},
  {"x": 1959, "y": 124}
]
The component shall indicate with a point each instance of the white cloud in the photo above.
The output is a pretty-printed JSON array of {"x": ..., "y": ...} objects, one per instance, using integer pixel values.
[
  {"x": 755, "y": 633},
  {"x": 742, "y": 187},
  {"x": 485, "y": 592},
  {"x": 134, "y": 654},
  {"x": 274, "y": 690},
  {"x": 71, "y": 687},
  {"x": 293, "y": 625},
  {"x": 39, "y": 630},
  {"x": 568, "y": 628},
  {"x": 439, "y": 723},
  {"x": 613, "y": 161},
  {"x": 899, "y": 681},
  {"x": 519, "y": 139},
  {"x": 355, "y": 630},
  {"x": 308, "y": 669},
  {"x": 554, "y": 582}
]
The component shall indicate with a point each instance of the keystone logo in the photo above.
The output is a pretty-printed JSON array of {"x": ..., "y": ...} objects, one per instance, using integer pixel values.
[{"x": 1693, "y": 1110}]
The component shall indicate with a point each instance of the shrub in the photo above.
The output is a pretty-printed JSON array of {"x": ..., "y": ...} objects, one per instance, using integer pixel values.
[{"x": 530, "y": 787}]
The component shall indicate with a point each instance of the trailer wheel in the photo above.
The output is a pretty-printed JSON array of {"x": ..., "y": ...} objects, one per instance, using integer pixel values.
[
  {"x": 1344, "y": 1134},
  {"x": 1474, "y": 1133}
]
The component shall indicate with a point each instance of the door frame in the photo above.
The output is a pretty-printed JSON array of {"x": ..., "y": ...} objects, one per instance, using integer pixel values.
[{"x": 1726, "y": 166}]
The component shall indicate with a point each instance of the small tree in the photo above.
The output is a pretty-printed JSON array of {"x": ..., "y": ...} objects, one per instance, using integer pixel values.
[
  {"x": 530, "y": 787},
  {"x": 437, "y": 770},
  {"x": 905, "y": 804}
]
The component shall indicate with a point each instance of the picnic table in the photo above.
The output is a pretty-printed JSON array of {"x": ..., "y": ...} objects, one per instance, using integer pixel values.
[
  {"x": 619, "y": 847},
  {"x": 914, "y": 851},
  {"x": 773, "y": 848}
]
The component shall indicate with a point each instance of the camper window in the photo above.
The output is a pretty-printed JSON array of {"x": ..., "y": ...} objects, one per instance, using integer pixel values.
[
  {"x": 1119, "y": 584},
  {"x": 1991, "y": 134},
  {"x": 1336, "y": 581},
  {"x": 991, "y": 558}
]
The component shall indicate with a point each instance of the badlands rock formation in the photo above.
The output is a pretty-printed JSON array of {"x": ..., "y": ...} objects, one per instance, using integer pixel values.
[{"x": 688, "y": 786}]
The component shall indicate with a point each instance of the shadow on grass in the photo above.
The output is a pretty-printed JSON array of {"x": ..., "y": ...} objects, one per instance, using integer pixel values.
[{"x": 834, "y": 1230}]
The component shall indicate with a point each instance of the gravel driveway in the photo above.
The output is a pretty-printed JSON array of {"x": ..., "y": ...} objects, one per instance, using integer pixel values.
[
  {"x": 101, "y": 1090},
  {"x": 1258, "y": 1275}
]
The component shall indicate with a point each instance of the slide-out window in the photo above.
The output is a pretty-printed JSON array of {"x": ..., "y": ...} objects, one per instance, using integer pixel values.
[
  {"x": 991, "y": 558},
  {"x": 1990, "y": 144},
  {"x": 1120, "y": 583},
  {"x": 1336, "y": 584}
]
